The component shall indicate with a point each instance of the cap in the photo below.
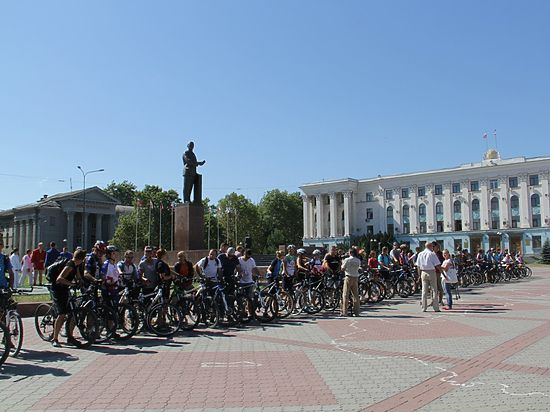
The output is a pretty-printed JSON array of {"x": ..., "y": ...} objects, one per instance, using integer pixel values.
[{"x": 231, "y": 251}]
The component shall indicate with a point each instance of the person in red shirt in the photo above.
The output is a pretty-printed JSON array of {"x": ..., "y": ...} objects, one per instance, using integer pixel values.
[
  {"x": 373, "y": 262},
  {"x": 38, "y": 258}
]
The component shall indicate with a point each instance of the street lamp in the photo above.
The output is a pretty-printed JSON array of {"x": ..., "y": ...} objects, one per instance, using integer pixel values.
[{"x": 85, "y": 227}]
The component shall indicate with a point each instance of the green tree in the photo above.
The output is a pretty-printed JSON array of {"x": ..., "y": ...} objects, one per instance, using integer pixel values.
[
  {"x": 546, "y": 252},
  {"x": 143, "y": 223},
  {"x": 238, "y": 217},
  {"x": 125, "y": 192},
  {"x": 281, "y": 220}
]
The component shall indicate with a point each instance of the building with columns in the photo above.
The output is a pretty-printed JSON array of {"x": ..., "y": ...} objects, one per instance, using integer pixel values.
[
  {"x": 494, "y": 203},
  {"x": 63, "y": 218}
]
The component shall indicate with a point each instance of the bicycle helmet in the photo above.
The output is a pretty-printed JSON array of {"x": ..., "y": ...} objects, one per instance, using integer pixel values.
[
  {"x": 291, "y": 247},
  {"x": 112, "y": 248},
  {"x": 316, "y": 252},
  {"x": 100, "y": 246},
  {"x": 301, "y": 251}
]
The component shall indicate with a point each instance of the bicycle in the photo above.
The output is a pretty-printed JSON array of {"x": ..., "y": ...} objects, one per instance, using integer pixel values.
[
  {"x": 4, "y": 343},
  {"x": 12, "y": 320}
]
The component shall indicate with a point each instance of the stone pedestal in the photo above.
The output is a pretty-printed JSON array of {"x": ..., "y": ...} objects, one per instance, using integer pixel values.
[{"x": 189, "y": 227}]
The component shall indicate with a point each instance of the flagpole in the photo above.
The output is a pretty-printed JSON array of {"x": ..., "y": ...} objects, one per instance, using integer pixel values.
[
  {"x": 486, "y": 141},
  {"x": 137, "y": 219},
  {"x": 495, "y": 135},
  {"x": 160, "y": 226},
  {"x": 149, "y": 232},
  {"x": 172, "y": 212}
]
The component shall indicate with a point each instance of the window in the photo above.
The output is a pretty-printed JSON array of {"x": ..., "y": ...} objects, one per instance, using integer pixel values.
[
  {"x": 476, "y": 216},
  {"x": 533, "y": 180},
  {"x": 514, "y": 208},
  {"x": 439, "y": 208},
  {"x": 535, "y": 210},
  {"x": 370, "y": 197},
  {"x": 535, "y": 200},
  {"x": 474, "y": 186},
  {"x": 421, "y": 190},
  {"x": 422, "y": 227},
  {"x": 438, "y": 189},
  {"x": 495, "y": 214},
  {"x": 370, "y": 230},
  {"x": 422, "y": 212},
  {"x": 513, "y": 182},
  {"x": 456, "y": 207},
  {"x": 439, "y": 226},
  {"x": 493, "y": 184},
  {"x": 390, "y": 228},
  {"x": 537, "y": 242},
  {"x": 389, "y": 213},
  {"x": 456, "y": 188},
  {"x": 405, "y": 211},
  {"x": 369, "y": 213},
  {"x": 406, "y": 228},
  {"x": 389, "y": 194},
  {"x": 405, "y": 193},
  {"x": 457, "y": 212}
]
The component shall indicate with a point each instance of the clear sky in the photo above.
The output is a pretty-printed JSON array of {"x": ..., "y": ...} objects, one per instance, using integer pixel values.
[{"x": 274, "y": 93}]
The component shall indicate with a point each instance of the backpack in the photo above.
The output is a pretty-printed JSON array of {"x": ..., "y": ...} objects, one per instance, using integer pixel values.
[
  {"x": 206, "y": 260},
  {"x": 54, "y": 270}
]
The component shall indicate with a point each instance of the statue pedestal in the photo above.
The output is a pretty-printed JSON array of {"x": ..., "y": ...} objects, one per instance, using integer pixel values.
[{"x": 189, "y": 227}]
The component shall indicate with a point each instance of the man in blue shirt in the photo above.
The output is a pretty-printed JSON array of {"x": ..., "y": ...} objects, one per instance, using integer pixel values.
[
  {"x": 66, "y": 254},
  {"x": 5, "y": 266},
  {"x": 51, "y": 255}
]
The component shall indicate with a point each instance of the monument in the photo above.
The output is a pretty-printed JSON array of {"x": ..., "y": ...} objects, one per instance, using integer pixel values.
[{"x": 189, "y": 216}]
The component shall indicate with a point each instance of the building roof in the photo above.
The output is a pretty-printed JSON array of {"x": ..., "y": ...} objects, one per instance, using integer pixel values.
[
  {"x": 492, "y": 161},
  {"x": 53, "y": 200}
]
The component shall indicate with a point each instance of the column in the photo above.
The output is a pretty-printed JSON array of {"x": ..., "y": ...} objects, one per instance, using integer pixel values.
[
  {"x": 70, "y": 231},
  {"x": 430, "y": 209},
  {"x": 484, "y": 210},
  {"x": 98, "y": 226},
  {"x": 23, "y": 235},
  {"x": 17, "y": 238},
  {"x": 413, "y": 210},
  {"x": 504, "y": 203},
  {"x": 347, "y": 214},
  {"x": 466, "y": 205},
  {"x": 448, "y": 211},
  {"x": 320, "y": 215},
  {"x": 85, "y": 230},
  {"x": 28, "y": 233},
  {"x": 524, "y": 203},
  {"x": 333, "y": 214},
  {"x": 545, "y": 198},
  {"x": 34, "y": 236},
  {"x": 305, "y": 207}
]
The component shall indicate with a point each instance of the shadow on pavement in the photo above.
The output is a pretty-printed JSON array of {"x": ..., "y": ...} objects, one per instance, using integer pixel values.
[
  {"x": 28, "y": 370},
  {"x": 44, "y": 356}
]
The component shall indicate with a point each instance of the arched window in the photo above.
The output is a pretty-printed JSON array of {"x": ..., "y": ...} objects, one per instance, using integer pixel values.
[
  {"x": 535, "y": 210},
  {"x": 406, "y": 222},
  {"x": 514, "y": 211},
  {"x": 495, "y": 213},
  {"x": 457, "y": 215},
  {"x": 476, "y": 215},
  {"x": 439, "y": 217},
  {"x": 389, "y": 220},
  {"x": 422, "y": 218}
]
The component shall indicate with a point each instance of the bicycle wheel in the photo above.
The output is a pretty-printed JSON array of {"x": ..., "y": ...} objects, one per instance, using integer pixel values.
[
  {"x": 84, "y": 324},
  {"x": 189, "y": 314},
  {"x": 127, "y": 321},
  {"x": 44, "y": 320},
  {"x": 4, "y": 343},
  {"x": 107, "y": 318},
  {"x": 264, "y": 312},
  {"x": 284, "y": 303},
  {"x": 312, "y": 302},
  {"x": 164, "y": 319},
  {"x": 15, "y": 329}
]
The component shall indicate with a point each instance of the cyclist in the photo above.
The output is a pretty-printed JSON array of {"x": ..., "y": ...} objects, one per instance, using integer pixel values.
[
  {"x": 275, "y": 269},
  {"x": 230, "y": 266},
  {"x": 164, "y": 272},
  {"x": 211, "y": 268},
  {"x": 249, "y": 272},
  {"x": 289, "y": 268},
  {"x": 185, "y": 272},
  {"x": 302, "y": 265},
  {"x": 128, "y": 272},
  {"x": 147, "y": 271},
  {"x": 316, "y": 263},
  {"x": 69, "y": 277},
  {"x": 93, "y": 263},
  {"x": 110, "y": 275},
  {"x": 5, "y": 266},
  {"x": 395, "y": 254},
  {"x": 51, "y": 254},
  {"x": 332, "y": 260}
]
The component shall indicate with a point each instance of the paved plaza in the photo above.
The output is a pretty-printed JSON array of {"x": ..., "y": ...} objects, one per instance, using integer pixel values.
[{"x": 491, "y": 352}]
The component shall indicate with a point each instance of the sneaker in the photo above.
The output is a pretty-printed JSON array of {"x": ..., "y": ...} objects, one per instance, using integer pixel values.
[
  {"x": 73, "y": 342},
  {"x": 56, "y": 344},
  {"x": 438, "y": 310}
]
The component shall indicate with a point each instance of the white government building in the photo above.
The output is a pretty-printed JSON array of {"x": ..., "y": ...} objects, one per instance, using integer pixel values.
[{"x": 495, "y": 203}]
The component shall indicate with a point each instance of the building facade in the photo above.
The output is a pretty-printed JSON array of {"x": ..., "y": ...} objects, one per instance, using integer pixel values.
[
  {"x": 495, "y": 203},
  {"x": 69, "y": 219}
]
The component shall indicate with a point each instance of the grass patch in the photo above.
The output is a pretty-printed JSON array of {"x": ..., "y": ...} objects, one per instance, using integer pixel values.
[{"x": 32, "y": 298}]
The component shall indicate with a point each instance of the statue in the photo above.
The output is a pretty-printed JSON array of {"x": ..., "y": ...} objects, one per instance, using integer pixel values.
[{"x": 190, "y": 176}]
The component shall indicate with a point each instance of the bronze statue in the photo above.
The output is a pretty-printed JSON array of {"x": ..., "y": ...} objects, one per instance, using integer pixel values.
[{"x": 190, "y": 176}]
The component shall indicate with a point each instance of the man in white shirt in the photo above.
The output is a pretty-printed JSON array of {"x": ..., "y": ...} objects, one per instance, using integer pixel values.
[
  {"x": 350, "y": 266},
  {"x": 247, "y": 273},
  {"x": 428, "y": 266},
  {"x": 209, "y": 266}
]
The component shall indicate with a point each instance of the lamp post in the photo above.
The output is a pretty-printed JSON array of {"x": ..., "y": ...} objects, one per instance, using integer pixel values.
[{"x": 84, "y": 227}]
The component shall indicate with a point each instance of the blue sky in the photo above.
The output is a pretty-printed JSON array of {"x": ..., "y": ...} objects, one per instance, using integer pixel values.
[{"x": 275, "y": 94}]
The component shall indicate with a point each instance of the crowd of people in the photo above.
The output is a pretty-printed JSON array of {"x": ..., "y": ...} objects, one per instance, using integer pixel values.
[{"x": 234, "y": 267}]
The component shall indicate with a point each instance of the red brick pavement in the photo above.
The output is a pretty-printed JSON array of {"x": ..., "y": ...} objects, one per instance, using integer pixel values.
[{"x": 193, "y": 380}]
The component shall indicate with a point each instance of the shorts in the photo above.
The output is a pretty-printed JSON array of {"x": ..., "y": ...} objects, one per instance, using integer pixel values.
[
  {"x": 248, "y": 289},
  {"x": 60, "y": 296}
]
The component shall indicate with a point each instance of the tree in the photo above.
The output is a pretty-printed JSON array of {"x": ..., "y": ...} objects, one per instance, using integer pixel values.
[
  {"x": 546, "y": 252},
  {"x": 152, "y": 203},
  {"x": 281, "y": 219},
  {"x": 238, "y": 217},
  {"x": 125, "y": 192}
]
